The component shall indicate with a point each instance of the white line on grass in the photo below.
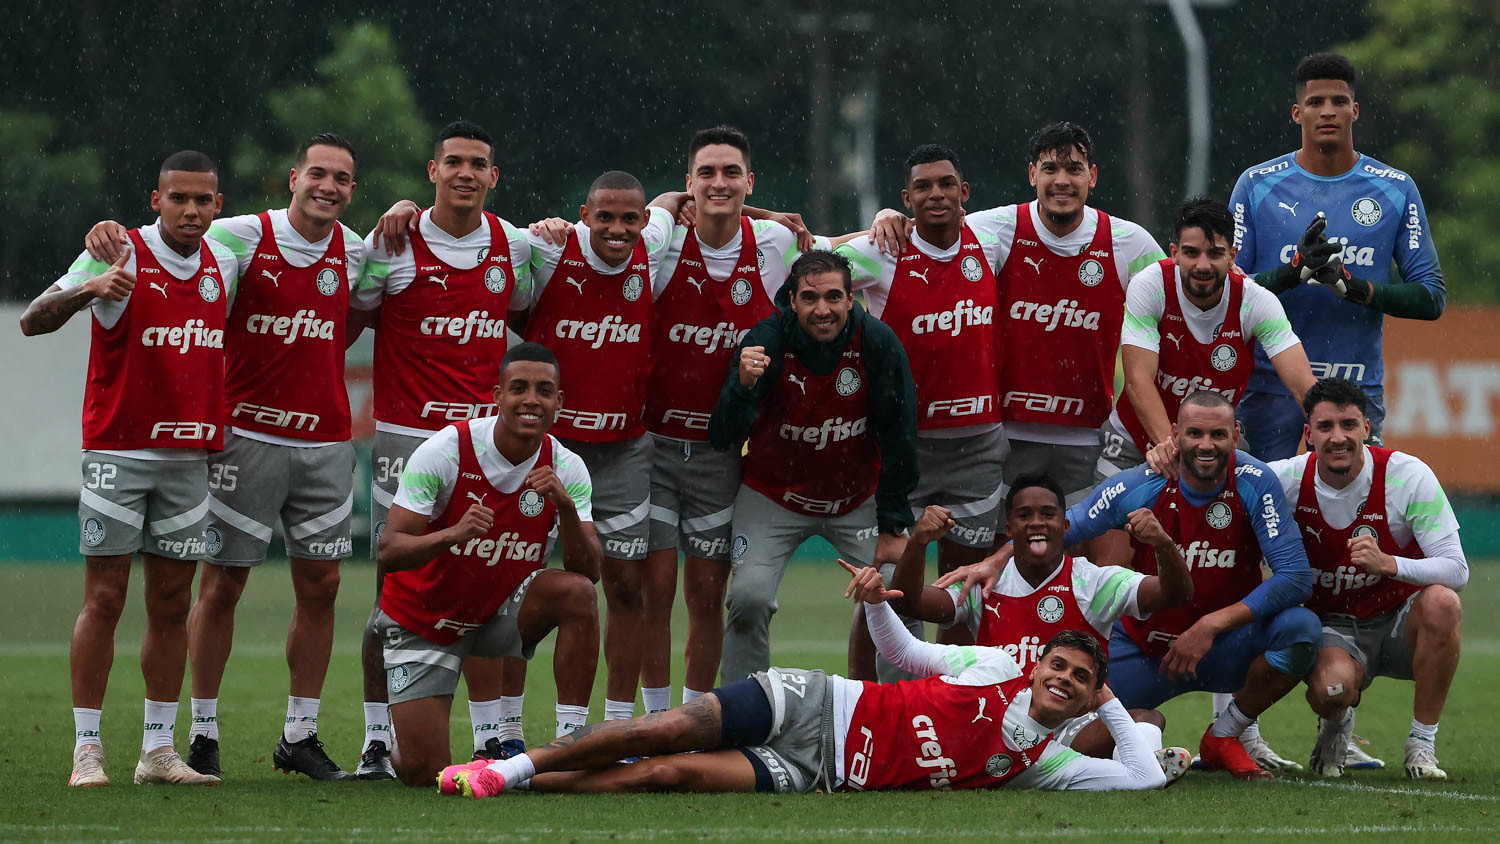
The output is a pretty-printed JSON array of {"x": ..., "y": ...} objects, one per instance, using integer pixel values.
[
  {"x": 1403, "y": 789},
  {"x": 740, "y": 833}
]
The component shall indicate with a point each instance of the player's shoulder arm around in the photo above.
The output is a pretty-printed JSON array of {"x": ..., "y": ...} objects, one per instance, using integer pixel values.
[
  {"x": 1419, "y": 495},
  {"x": 869, "y": 266},
  {"x": 575, "y": 478},
  {"x": 239, "y": 234},
  {"x": 1139, "y": 248},
  {"x": 658, "y": 233},
  {"x": 229, "y": 263},
  {"x": 431, "y": 471},
  {"x": 85, "y": 267}
]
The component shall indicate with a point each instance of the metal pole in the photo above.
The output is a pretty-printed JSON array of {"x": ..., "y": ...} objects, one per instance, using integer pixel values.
[{"x": 1196, "y": 56}]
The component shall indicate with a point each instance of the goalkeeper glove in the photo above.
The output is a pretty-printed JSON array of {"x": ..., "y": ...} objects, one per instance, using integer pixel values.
[
  {"x": 1334, "y": 274},
  {"x": 1313, "y": 250}
]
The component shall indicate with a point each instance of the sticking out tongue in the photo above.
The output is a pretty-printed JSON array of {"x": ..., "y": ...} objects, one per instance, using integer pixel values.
[{"x": 1038, "y": 547}]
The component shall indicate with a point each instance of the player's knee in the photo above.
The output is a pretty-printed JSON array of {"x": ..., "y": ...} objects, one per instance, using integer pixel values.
[
  {"x": 317, "y": 584},
  {"x": 1438, "y": 610},
  {"x": 104, "y": 601},
  {"x": 1149, "y": 716},
  {"x": 747, "y": 601},
  {"x": 220, "y": 588},
  {"x": 576, "y": 598},
  {"x": 1294, "y": 660}
]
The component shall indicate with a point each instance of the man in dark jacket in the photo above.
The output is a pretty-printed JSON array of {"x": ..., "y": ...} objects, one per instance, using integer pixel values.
[{"x": 824, "y": 394}]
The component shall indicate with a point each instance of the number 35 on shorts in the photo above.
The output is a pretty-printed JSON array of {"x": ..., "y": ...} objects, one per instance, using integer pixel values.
[{"x": 223, "y": 476}]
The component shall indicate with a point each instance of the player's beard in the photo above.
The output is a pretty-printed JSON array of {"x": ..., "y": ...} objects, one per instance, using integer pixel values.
[
  {"x": 1203, "y": 474},
  {"x": 1064, "y": 218},
  {"x": 1201, "y": 295}
]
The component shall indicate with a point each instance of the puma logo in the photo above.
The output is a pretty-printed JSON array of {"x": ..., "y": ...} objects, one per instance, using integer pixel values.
[
  {"x": 802, "y": 385},
  {"x": 922, "y": 275},
  {"x": 442, "y": 282},
  {"x": 981, "y": 715},
  {"x": 575, "y": 282},
  {"x": 696, "y": 283},
  {"x": 1035, "y": 263},
  {"x": 994, "y": 608},
  {"x": 1176, "y": 341},
  {"x": 161, "y": 287},
  {"x": 478, "y": 499},
  {"x": 1317, "y": 534},
  {"x": 1292, "y": 208},
  {"x": 274, "y": 277}
]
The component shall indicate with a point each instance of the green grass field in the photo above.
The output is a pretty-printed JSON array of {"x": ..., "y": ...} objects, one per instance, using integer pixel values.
[{"x": 256, "y": 803}]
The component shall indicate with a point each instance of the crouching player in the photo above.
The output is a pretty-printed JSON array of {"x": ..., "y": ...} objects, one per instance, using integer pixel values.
[
  {"x": 975, "y": 721},
  {"x": 462, "y": 553},
  {"x": 1384, "y": 547}
]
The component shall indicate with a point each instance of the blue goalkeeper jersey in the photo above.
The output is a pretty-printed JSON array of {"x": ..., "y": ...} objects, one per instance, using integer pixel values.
[{"x": 1376, "y": 212}]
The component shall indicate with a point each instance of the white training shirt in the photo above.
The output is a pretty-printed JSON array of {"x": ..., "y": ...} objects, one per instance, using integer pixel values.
[
  {"x": 387, "y": 274},
  {"x": 241, "y": 234},
  {"x": 775, "y": 246},
  {"x": 657, "y": 236},
  {"x": 1415, "y": 506},
  {"x": 1134, "y": 249},
  {"x": 1262, "y": 318},
  {"x": 107, "y": 313},
  {"x": 1103, "y": 593},
  {"x": 432, "y": 470}
]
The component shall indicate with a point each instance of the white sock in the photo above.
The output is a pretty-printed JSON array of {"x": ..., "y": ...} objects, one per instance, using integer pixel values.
[
  {"x": 516, "y": 769},
  {"x": 618, "y": 710},
  {"x": 570, "y": 718},
  {"x": 1424, "y": 733},
  {"x": 86, "y": 727},
  {"x": 1221, "y": 701},
  {"x": 205, "y": 718},
  {"x": 161, "y": 717},
  {"x": 301, "y": 718},
  {"x": 1231, "y": 722},
  {"x": 657, "y": 700},
  {"x": 377, "y": 726},
  {"x": 510, "y": 718},
  {"x": 1251, "y": 732},
  {"x": 690, "y": 695},
  {"x": 484, "y": 716}
]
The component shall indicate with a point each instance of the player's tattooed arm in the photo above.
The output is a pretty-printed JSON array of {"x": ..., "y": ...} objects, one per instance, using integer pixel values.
[{"x": 51, "y": 310}]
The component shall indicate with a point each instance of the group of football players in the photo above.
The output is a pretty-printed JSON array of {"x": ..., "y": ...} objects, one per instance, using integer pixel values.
[{"x": 695, "y": 375}]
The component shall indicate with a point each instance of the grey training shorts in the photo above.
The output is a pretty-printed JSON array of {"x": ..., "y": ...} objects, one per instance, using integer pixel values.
[
  {"x": 799, "y": 751},
  {"x": 1378, "y": 644},
  {"x": 963, "y": 474},
  {"x": 127, "y": 504},
  {"x": 693, "y": 486},
  {"x": 251, "y": 483},
  {"x": 416, "y": 668},
  {"x": 621, "y": 474}
]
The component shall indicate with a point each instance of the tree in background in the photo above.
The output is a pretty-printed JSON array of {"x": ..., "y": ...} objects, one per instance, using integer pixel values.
[
  {"x": 1433, "y": 66},
  {"x": 36, "y": 176},
  {"x": 363, "y": 93}
]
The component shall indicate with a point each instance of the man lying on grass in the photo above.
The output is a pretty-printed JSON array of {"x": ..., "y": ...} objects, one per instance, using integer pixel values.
[{"x": 974, "y": 722}]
